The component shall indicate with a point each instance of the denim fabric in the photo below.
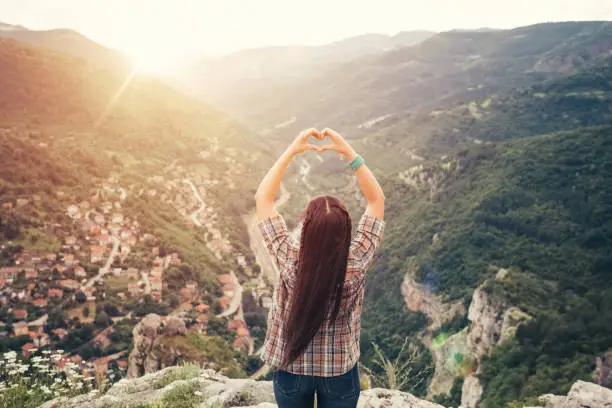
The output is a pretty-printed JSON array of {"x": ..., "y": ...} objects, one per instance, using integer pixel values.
[{"x": 298, "y": 391}]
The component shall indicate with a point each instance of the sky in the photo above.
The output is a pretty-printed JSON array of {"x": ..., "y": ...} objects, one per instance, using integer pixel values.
[{"x": 167, "y": 29}]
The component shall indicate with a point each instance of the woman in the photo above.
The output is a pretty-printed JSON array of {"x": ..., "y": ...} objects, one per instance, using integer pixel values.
[{"x": 314, "y": 321}]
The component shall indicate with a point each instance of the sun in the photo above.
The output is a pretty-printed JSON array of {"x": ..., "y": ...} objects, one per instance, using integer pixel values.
[{"x": 152, "y": 62}]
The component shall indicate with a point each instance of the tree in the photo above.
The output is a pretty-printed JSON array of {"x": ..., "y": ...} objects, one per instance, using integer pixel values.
[
  {"x": 55, "y": 320},
  {"x": 80, "y": 297},
  {"x": 102, "y": 319}
]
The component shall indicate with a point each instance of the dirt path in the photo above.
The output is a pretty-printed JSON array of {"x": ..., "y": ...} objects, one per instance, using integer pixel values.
[
  {"x": 194, "y": 215},
  {"x": 106, "y": 269},
  {"x": 236, "y": 302}
]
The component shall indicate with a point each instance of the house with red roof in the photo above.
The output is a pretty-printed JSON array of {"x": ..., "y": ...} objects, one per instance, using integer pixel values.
[
  {"x": 9, "y": 273},
  {"x": 20, "y": 314},
  {"x": 69, "y": 284},
  {"x": 31, "y": 273},
  {"x": 55, "y": 293},
  {"x": 27, "y": 349},
  {"x": 68, "y": 259},
  {"x": 202, "y": 307},
  {"x": 80, "y": 272},
  {"x": 21, "y": 329},
  {"x": 40, "y": 302},
  {"x": 234, "y": 325},
  {"x": 242, "y": 343},
  {"x": 202, "y": 318},
  {"x": 97, "y": 253},
  {"x": 224, "y": 279}
]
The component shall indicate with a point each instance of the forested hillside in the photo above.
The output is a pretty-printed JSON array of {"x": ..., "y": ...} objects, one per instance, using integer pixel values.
[
  {"x": 119, "y": 196},
  {"x": 539, "y": 206}
]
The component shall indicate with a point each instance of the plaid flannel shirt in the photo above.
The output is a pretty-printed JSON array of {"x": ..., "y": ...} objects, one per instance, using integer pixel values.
[{"x": 335, "y": 348}]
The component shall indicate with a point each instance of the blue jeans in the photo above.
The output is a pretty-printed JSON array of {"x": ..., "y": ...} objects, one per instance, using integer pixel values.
[{"x": 298, "y": 391}]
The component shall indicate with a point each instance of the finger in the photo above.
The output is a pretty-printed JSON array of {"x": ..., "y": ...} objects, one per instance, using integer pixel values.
[
  {"x": 332, "y": 134},
  {"x": 310, "y": 132},
  {"x": 312, "y": 147},
  {"x": 330, "y": 147}
]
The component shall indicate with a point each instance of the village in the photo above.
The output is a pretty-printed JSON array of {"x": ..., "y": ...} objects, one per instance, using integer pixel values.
[{"x": 106, "y": 255}]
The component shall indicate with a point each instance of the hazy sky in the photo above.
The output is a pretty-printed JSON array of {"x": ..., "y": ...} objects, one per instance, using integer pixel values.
[{"x": 173, "y": 28}]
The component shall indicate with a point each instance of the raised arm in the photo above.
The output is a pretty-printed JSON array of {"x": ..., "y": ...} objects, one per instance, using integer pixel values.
[
  {"x": 266, "y": 192},
  {"x": 367, "y": 182}
]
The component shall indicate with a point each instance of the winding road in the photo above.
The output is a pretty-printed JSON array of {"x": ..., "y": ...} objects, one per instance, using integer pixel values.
[
  {"x": 267, "y": 266},
  {"x": 304, "y": 171},
  {"x": 194, "y": 215},
  {"x": 106, "y": 269},
  {"x": 103, "y": 271},
  {"x": 236, "y": 302}
]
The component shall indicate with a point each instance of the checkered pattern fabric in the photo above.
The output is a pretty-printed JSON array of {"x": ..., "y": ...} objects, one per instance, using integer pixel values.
[{"x": 335, "y": 348}]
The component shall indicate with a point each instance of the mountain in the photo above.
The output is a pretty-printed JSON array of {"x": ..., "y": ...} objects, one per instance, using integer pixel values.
[
  {"x": 375, "y": 91},
  {"x": 565, "y": 102},
  {"x": 67, "y": 41},
  {"x": 495, "y": 257},
  {"x": 120, "y": 196},
  {"x": 234, "y": 81}
]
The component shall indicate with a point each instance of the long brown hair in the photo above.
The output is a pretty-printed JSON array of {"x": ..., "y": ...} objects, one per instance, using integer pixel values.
[{"x": 321, "y": 271}]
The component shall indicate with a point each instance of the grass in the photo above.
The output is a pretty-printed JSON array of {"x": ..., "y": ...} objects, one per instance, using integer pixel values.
[
  {"x": 181, "y": 396},
  {"x": 184, "y": 372},
  {"x": 38, "y": 241},
  {"x": 78, "y": 311},
  {"x": 118, "y": 282}
]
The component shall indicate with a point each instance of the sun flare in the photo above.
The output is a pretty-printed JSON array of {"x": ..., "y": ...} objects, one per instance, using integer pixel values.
[{"x": 152, "y": 62}]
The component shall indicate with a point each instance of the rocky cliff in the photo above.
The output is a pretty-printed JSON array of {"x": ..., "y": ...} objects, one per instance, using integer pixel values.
[
  {"x": 190, "y": 387},
  {"x": 603, "y": 370},
  {"x": 491, "y": 322},
  {"x": 148, "y": 356},
  {"x": 161, "y": 342}
]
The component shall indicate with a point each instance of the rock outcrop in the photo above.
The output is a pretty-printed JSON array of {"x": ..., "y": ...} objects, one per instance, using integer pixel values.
[
  {"x": 581, "y": 395},
  {"x": 214, "y": 390},
  {"x": 207, "y": 388},
  {"x": 148, "y": 355},
  {"x": 492, "y": 322},
  {"x": 603, "y": 370},
  {"x": 420, "y": 298},
  {"x": 451, "y": 362},
  {"x": 471, "y": 392}
]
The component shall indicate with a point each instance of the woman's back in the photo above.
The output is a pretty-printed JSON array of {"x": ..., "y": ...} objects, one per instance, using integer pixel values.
[{"x": 334, "y": 349}]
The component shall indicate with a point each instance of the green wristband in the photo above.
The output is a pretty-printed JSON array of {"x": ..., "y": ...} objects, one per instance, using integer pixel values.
[{"x": 355, "y": 164}]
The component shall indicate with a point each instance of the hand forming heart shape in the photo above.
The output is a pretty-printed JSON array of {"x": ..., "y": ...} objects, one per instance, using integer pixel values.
[{"x": 301, "y": 144}]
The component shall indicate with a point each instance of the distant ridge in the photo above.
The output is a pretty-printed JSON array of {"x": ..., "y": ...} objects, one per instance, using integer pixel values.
[{"x": 70, "y": 42}]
